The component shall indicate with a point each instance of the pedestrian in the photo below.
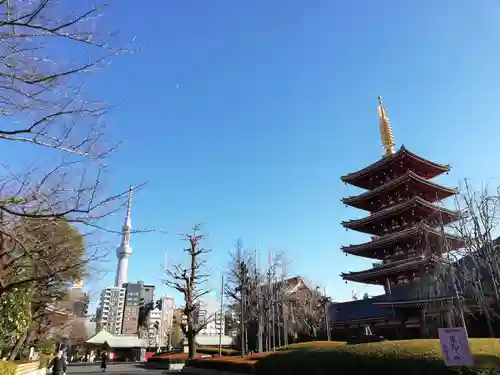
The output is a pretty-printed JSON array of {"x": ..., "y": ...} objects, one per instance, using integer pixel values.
[
  {"x": 58, "y": 364},
  {"x": 104, "y": 359}
]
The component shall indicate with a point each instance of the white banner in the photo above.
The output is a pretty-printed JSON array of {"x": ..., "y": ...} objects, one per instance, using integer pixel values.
[{"x": 455, "y": 346}]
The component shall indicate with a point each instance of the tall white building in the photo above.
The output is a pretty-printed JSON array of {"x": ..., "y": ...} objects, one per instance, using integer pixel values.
[
  {"x": 154, "y": 327},
  {"x": 110, "y": 312},
  {"x": 166, "y": 322},
  {"x": 209, "y": 313},
  {"x": 124, "y": 250}
]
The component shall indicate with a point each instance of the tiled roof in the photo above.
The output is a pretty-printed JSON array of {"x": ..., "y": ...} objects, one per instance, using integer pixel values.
[
  {"x": 402, "y": 236},
  {"x": 358, "y": 310},
  {"x": 403, "y": 179},
  {"x": 118, "y": 341},
  {"x": 289, "y": 285},
  {"x": 391, "y": 158},
  {"x": 413, "y": 203}
]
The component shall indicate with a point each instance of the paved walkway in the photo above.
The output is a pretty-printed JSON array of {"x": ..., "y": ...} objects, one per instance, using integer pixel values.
[{"x": 116, "y": 369}]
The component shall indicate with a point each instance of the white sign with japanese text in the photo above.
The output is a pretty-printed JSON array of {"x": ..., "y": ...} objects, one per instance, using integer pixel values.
[{"x": 455, "y": 346}]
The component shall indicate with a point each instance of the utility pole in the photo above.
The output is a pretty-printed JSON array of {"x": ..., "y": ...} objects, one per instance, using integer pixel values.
[{"x": 327, "y": 318}]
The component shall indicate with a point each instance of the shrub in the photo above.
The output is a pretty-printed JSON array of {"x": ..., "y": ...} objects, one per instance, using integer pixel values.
[
  {"x": 172, "y": 358},
  {"x": 166, "y": 360},
  {"x": 168, "y": 352},
  {"x": 387, "y": 358},
  {"x": 215, "y": 351},
  {"x": 236, "y": 364},
  {"x": 312, "y": 345},
  {"x": 7, "y": 368},
  {"x": 10, "y": 367},
  {"x": 47, "y": 347}
]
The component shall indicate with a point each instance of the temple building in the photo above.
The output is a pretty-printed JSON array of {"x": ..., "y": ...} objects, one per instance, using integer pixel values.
[{"x": 407, "y": 224}]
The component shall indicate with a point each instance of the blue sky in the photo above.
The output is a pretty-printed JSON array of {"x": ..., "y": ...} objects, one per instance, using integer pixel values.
[{"x": 243, "y": 115}]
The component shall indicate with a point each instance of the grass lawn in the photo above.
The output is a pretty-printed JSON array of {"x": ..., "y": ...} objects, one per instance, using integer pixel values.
[{"x": 385, "y": 358}]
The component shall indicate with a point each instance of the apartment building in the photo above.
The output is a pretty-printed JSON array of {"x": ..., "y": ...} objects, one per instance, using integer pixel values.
[
  {"x": 131, "y": 308},
  {"x": 167, "y": 321},
  {"x": 110, "y": 312},
  {"x": 137, "y": 295}
]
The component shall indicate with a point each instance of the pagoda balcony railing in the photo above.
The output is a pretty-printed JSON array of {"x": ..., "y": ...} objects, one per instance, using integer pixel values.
[
  {"x": 390, "y": 260},
  {"x": 400, "y": 255}
]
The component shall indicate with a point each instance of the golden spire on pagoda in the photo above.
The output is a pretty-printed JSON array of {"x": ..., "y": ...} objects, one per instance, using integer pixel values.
[{"x": 385, "y": 129}]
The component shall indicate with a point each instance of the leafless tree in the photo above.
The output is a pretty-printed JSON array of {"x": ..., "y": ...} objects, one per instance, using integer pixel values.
[
  {"x": 478, "y": 271},
  {"x": 78, "y": 333},
  {"x": 469, "y": 274},
  {"x": 310, "y": 309},
  {"x": 47, "y": 113},
  {"x": 279, "y": 302},
  {"x": 240, "y": 288},
  {"x": 265, "y": 297},
  {"x": 190, "y": 280}
]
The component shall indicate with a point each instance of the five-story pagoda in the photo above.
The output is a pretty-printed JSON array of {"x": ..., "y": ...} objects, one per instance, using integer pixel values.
[{"x": 405, "y": 221}]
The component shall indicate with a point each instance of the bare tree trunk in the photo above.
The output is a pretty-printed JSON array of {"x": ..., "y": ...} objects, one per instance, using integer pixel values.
[
  {"x": 261, "y": 326},
  {"x": 490, "y": 327},
  {"x": 285, "y": 326},
  {"x": 191, "y": 345},
  {"x": 268, "y": 338},
  {"x": 188, "y": 281},
  {"x": 279, "y": 325},
  {"x": 19, "y": 344},
  {"x": 273, "y": 324}
]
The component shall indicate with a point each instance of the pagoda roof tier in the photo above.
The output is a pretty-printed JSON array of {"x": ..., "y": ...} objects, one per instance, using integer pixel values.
[
  {"x": 431, "y": 191},
  {"x": 397, "y": 164},
  {"x": 416, "y": 207},
  {"x": 378, "y": 275},
  {"x": 376, "y": 248},
  {"x": 416, "y": 303}
]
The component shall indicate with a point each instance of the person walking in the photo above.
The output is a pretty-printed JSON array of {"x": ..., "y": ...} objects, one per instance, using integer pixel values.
[
  {"x": 104, "y": 359},
  {"x": 58, "y": 364}
]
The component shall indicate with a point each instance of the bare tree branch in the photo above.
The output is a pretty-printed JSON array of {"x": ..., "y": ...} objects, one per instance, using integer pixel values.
[{"x": 188, "y": 280}]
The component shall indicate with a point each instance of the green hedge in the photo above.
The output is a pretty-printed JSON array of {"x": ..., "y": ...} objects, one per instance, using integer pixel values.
[
  {"x": 312, "y": 345},
  {"x": 166, "y": 360},
  {"x": 409, "y": 357},
  {"x": 175, "y": 351},
  {"x": 215, "y": 351},
  {"x": 7, "y": 368},
  {"x": 222, "y": 365}
]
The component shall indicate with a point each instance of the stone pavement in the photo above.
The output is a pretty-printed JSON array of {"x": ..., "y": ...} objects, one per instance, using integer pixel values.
[{"x": 114, "y": 369}]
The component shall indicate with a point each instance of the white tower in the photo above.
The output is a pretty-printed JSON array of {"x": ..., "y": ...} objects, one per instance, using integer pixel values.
[{"x": 124, "y": 250}]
